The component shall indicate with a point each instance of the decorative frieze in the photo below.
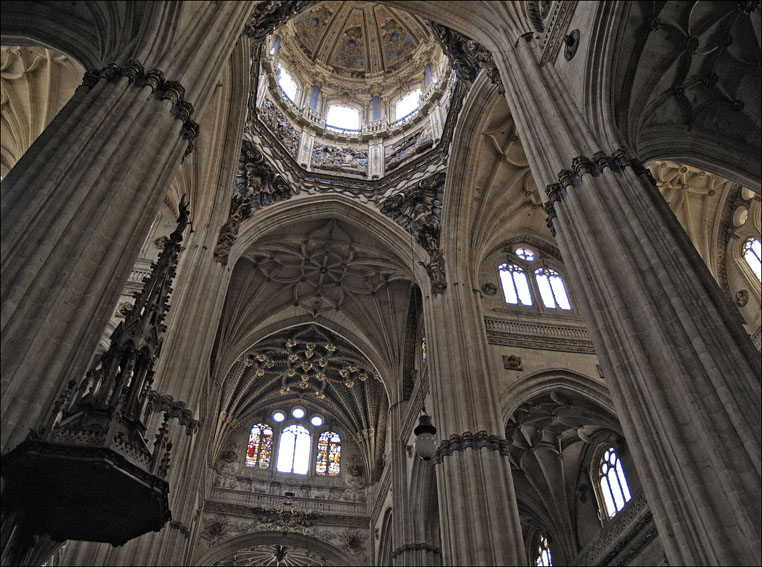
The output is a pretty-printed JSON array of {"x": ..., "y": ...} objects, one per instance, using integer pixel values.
[
  {"x": 175, "y": 408},
  {"x": 270, "y": 15},
  {"x": 538, "y": 336},
  {"x": 468, "y": 440},
  {"x": 163, "y": 89},
  {"x": 557, "y": 24}
]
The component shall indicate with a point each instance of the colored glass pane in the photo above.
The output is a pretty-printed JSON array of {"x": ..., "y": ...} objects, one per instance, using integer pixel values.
[
  {"x": 259, "y": 448},
  {"x": 328, "y": 460}
]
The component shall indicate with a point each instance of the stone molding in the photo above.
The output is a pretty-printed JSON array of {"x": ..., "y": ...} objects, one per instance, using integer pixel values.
[
  {"x": 161, "y": 88},
  {"x": 242, "y": 502},
  {"x": 269, "y": 16},
  {"x": 416, "y": 401},
  {"x": 623, "y": 536},
  {"x": 581, "y": 166},
  {"x": 559, "y": 21},
  {"x": 416, "y": 547},
  {"x": 538, "y": 336},
  {"x": 468, "y": 440},
  {"x": 383, "y": 490}
]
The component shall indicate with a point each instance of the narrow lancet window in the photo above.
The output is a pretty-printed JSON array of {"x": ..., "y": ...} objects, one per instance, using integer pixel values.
[
  {"x": 614, "y": 488},
  {"x": 328, "y": 454},
  {"x": 294, "y": 450},
  {"x": 752, "y": 253},
  {"x": 552, "y": 288},
  {"x": 260, "y": 446},
  {"x": 515, "y": 285}
]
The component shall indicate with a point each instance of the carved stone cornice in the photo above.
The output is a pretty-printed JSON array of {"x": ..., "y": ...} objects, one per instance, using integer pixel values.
[
  {"x": 160, "y": 87},
  {"x": 257, "y": 185},
  {"x": 269, "y": 15},
  {"x": 582, "y": 166},
  {"x": 466, "y": 56},
  {"x": 468, "y": 440},
  {"x": 623, "y": 537}
]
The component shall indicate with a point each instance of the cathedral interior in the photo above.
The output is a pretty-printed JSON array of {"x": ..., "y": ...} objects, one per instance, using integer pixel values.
[{"x": 381, "y": 283}]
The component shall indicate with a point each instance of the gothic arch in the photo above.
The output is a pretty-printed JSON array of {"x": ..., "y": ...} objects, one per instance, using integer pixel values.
[
  {"x": 333, "y": 555},
  {"x": 544, "y": 381}
]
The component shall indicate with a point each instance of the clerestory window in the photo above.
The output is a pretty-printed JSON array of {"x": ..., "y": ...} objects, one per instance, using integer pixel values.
[
  {"x": 408, "y": 104},
  {"x": 752, "y": 253},
  {"x": 613, "y": 483},
  {"x": 552, "y": 289},
  {"x": 294, "y": 450},
  {"x": 287, "y": 83},
  {"x": 515, "y": 284},
  {"x": 342, "y": 118}
]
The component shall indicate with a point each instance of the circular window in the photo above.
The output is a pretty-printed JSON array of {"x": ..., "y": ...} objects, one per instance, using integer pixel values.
[
  {"x": 525, "y": 254},
  {"x": 278, "y": 416},
  {"x": 298, "y": 413},
  {"x": 316, "y": 420}
]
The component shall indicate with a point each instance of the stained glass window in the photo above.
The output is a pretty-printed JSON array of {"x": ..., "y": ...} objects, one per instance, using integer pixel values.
[
  {"x": 515, "y": 284},
  {"x": 294, "y": 450},
  {"x": 423, "y": 347},
  {"x": 260, "y": 447},
  {"x": 752, "y": 253},
  {"x": 614, "y": 488},
  {"x": 552, "y": 289},
  {"x": 543, "y": 553},
  {"x": 329, "y": 454}
]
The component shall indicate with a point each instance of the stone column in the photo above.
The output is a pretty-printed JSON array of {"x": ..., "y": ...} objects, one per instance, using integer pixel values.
[
  {"x": 479, "y": 517},
  {"x": 77, "y": 206},
  {"x": 400, "y": 497},
  {"x": 196, "y": 306},
  {"x": 684, "y": 375}
]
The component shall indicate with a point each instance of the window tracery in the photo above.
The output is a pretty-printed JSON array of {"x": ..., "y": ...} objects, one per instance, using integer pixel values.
[
  {"x": 613, "y": 483},
  {"x": 294, "y": 450},
  {"x": 552, "y": 289},
  {"x": 515, "y": 284},
  {"x": 259, "y": 449},
  {"x": 328, "y": 460}
]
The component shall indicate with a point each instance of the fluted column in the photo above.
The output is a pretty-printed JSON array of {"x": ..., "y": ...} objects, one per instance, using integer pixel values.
[
  {"x": 77, "y": 206},
  {"x": 479, "y": 517},
  {"x": 684, "y": 375}
]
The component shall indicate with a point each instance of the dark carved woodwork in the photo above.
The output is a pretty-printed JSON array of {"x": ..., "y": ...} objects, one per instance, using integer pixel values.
[{"x": 89, "y": 473}]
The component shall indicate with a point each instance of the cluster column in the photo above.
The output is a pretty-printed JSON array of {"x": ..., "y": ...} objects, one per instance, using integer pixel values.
[
  {"x": 683, "y": 373},
  {"x": 77, "y": 206},
  {"x": 479, "y": 516}
]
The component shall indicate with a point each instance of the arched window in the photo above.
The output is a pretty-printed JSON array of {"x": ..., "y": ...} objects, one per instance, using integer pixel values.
[
  {"x": 552, "y": 289},
  {"x": 328, "y": 454},
  {"x": 525, "y": 254},
  {"x": 260, "y": 446},
  {"x": 515, "y": 285},
  {"x": 408, "y": 104},
  {"x": 543, "y": 553},
  {"x": 287, "y": 83},
  {"x": 342, "y": 118},
  {"x": 613, "y": 483},
  {"x": 752, "y": 253},
  {"x": 294, "y": 450}
]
